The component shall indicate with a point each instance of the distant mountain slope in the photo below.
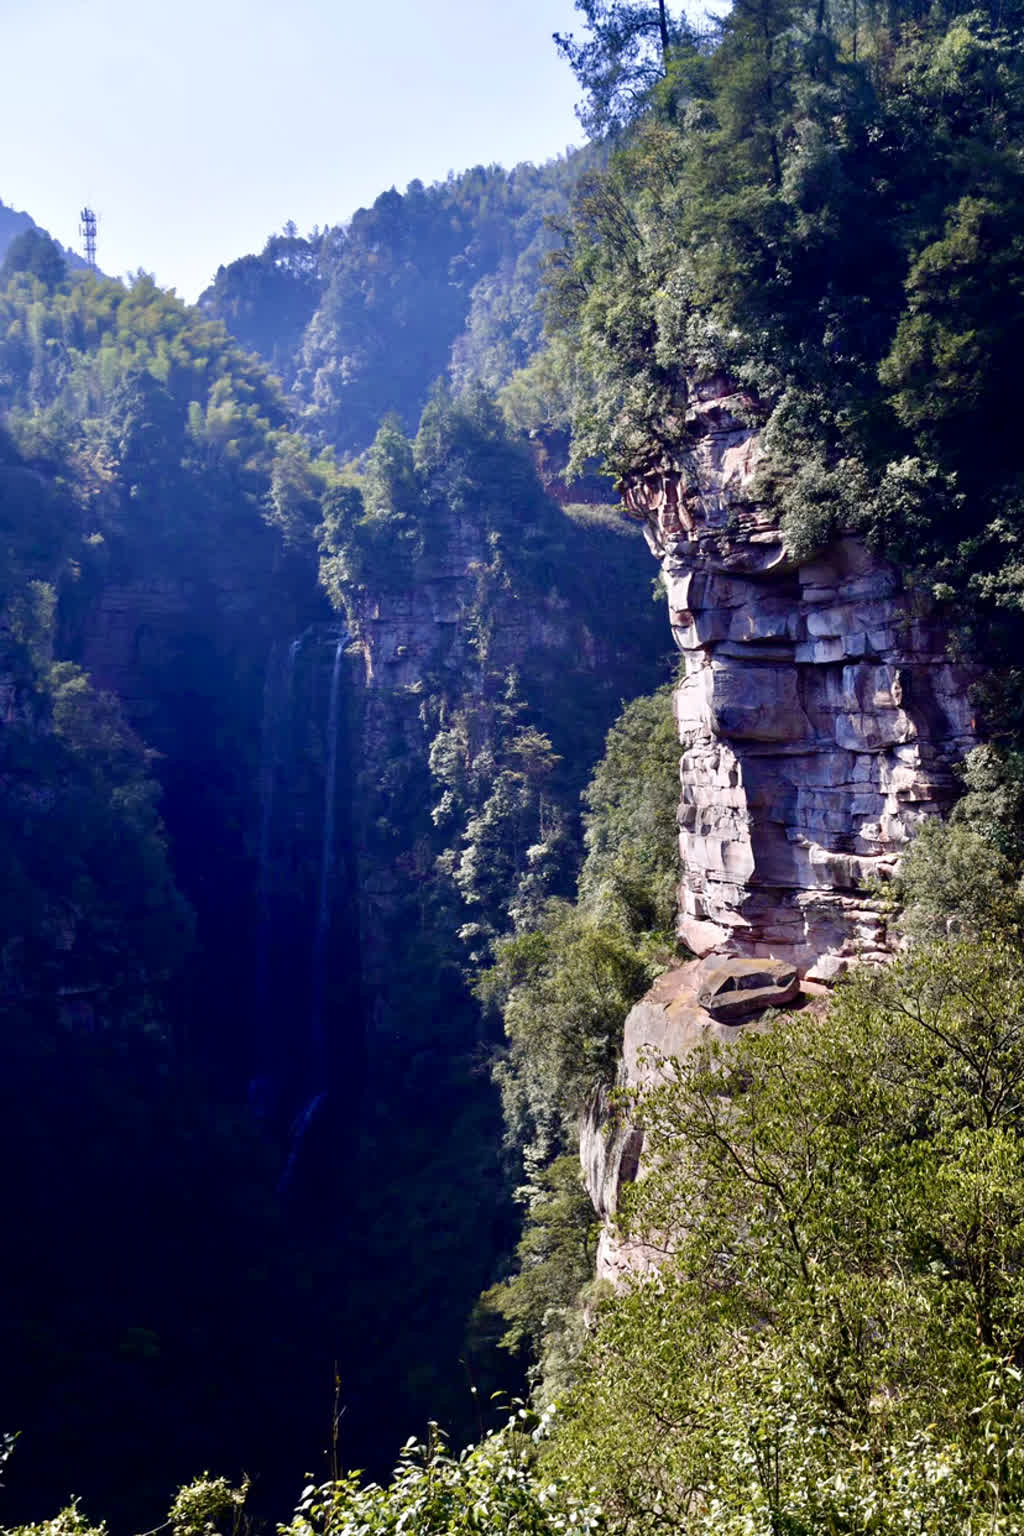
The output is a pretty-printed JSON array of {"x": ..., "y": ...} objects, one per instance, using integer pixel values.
[
  {"x": 361, "y": 319},
  {"x": 13, "y": 222}
]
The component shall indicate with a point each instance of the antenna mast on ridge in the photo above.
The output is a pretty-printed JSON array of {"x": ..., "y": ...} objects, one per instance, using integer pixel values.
[{"x": 87, "y": 230}]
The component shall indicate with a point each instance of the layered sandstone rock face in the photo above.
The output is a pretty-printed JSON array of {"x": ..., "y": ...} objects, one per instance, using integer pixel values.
[
  {"x": 819, "y": 714},
  {"x": 820, "y": 719}
]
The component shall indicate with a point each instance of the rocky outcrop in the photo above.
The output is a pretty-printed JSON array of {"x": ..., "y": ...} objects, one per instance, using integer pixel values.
[
  {"x": 819, "y": 713},
  {"x": 550, "y": 449},
  {"x": 819, "y": 717},
  {"x": 691, "y": 1005}
]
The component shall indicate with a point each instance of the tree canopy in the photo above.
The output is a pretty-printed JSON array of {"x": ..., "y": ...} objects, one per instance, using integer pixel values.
[{"x": 832, "y": 1342}]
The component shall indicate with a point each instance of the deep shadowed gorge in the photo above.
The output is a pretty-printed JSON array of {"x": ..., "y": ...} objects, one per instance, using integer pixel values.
[{"x": 253, "y": 790}]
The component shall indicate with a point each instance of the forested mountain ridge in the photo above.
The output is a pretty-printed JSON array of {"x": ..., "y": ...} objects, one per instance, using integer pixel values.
[
  {"x": 14, "y": 222},
  {"x": 361, "y": 319}
]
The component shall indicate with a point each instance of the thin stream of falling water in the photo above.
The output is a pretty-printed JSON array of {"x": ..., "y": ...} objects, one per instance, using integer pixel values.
[
  {"x": 277, "y": 721},
  {"x": 276, "y": 738},
  {"x": 318, "y": 1033},
  {"x": 268, "y": 773}
]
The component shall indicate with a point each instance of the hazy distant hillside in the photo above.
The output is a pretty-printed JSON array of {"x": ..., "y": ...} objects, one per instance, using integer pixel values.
[
  {"x": 14, "y": 222},
  {"x": 359, "y": 320}
]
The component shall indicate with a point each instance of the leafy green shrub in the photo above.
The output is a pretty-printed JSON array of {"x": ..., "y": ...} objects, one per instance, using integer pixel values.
[
  {"x": 208, "y": 1506},
  {"x": 69, "y": 1522},
  {"x": 488, "y": 1490},
  {"x": 632, "y": 865},
  {"x": 832, "y": 1342},
  {"x": 554, "y": 1264},
  {"x": 564, "y": 990},
  {"x": 966, "y": 874}
]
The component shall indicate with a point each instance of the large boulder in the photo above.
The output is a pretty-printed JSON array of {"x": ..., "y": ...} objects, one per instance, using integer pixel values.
[
  {"x": 694, "y": 1004},
  {"x": 733, "y": 988}
]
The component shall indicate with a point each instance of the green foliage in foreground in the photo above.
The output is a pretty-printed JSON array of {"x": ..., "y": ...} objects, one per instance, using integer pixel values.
[
  {"x": 67, "y": 1522},
  {"x": 832, "y": 1345},
  {"x": 833, "y": 1341},
  {"x": 207, "y": 1506},
  {"x": 490, "y": 1488}
]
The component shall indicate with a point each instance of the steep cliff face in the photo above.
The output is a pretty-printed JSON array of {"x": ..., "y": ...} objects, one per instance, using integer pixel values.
[
  {"x": 819, "y": 714},
  {"x": 819, "y": 718},
  {"x": 464, "y": 658},
  {"x": 446, "y": 641}
]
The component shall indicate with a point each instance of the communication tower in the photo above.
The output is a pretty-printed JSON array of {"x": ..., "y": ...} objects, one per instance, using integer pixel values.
[{"x": 87, "y": 230}]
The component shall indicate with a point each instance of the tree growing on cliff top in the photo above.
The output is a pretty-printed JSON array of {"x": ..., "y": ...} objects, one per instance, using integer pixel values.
[{"x": 627, "y": 52}]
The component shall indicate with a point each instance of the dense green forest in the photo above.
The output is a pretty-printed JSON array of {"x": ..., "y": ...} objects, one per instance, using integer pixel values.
[
  {"x": 820, "y": 206},
  {"x": 361, "y": 319},
  {"x": 297, "y": 1035}
]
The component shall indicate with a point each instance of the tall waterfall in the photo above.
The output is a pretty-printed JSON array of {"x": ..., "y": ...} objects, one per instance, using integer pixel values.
[
  {"x": 318, "y": 1037},
  {"x": 275, "y": 743},
  {"x": 268, "y": 773},
  {"x": 277, "y": 727},
  {"x": 281, "y": 817},
  {"x": 272, "y": 1074}
]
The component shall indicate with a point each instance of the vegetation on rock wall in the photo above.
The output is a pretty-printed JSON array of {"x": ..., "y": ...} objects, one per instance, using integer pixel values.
[
  {"x": 821, "y": 203},
  {"x": 470, "y": 793},
  {"x": 563, "y": 985},
  {"x": 507, "y": 726}
]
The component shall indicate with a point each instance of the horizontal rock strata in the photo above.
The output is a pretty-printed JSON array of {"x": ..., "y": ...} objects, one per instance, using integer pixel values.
[
  {"x": 819, "y": 714},
  {"x": 820, "y": 719}
]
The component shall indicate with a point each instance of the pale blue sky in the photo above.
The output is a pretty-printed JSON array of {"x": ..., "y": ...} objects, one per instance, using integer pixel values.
[{"x": 195, "y": 128}]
